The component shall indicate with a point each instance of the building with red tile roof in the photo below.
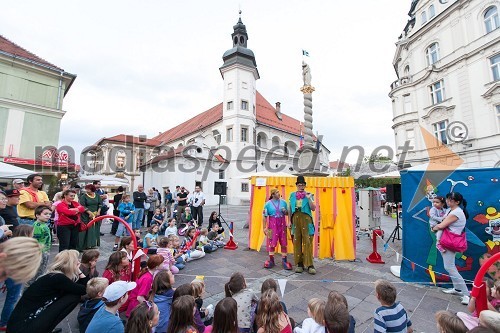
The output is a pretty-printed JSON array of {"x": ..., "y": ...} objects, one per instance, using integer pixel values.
[{"x": 231, "y": 140}]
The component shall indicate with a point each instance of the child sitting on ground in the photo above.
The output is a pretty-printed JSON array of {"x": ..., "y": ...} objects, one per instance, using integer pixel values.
[
  {"x": 189, "y": 245},
  {"x": 206, "y": 314},
  {"x": 95, "y": 290},
  {"x": 337, "y": 298},
  {"x": 204, "y": 243},
  {"x": 179, "y": 255},
  {"x": 315, "y": 322},
  {"x": 164, "y": 250},
  {"x": 172, "y": 227},
  {"x": 270, "y": 284},
  {"x": 162, "y": 294},
  {"x": 89, "y": 263},
  {"x": 391, "y": 316},
  {"x": 215, "y": 236},
  {"x": 447, "y": 322},
  {"x": 137, "y": 234},
  {"x": 245, "y": 298},
  {"x": 493, "y": 302}
]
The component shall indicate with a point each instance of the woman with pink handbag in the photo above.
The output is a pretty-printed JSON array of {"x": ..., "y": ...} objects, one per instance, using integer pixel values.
[{"x": 453, "y": 240}]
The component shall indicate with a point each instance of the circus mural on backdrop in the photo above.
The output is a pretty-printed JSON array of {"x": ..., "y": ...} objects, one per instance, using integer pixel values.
[{"x": 422, "y": 262}]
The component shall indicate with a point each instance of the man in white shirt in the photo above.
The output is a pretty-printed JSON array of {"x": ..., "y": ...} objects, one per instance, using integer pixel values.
[{"x": 197, "y": 203}]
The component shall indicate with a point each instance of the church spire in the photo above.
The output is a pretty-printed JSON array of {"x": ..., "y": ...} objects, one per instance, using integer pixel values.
[
  {"x": 239, "y": 35},
  {"x": 239, "y": 54}
]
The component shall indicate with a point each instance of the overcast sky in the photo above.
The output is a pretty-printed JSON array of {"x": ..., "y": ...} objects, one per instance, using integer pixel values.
[{"x": 146, "y": 66}]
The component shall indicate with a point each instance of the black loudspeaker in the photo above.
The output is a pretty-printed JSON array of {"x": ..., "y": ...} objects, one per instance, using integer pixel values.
[
  {"x": 393, "y": 192},
  {"x": 220, "y": 188}
]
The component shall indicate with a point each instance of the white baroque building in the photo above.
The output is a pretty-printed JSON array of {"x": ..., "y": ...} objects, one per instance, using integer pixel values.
[
  {"x": 241, "y": 136},
  {"x": 448, "y": 66}
]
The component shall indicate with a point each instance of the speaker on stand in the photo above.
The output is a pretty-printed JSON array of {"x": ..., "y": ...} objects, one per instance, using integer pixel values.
[
  {"x": 220, "y": 189},
  {"x": 393, "y": 193}
]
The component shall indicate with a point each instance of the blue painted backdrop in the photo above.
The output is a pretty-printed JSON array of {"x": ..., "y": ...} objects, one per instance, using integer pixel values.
[{"x": 481, "y": 189}]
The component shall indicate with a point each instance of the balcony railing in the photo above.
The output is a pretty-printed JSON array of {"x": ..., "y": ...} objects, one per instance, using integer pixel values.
[{"x": 401, "y": 82}]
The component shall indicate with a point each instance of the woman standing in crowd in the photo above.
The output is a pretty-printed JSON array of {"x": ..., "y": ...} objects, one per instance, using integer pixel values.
[
  {"x": 116, "y": 201},
  {"x": 455, "y": 221},
  {"x": 51, "y": 297},
  {"x": 70, "y": 213},
  {"x": 90, "y": 238}
]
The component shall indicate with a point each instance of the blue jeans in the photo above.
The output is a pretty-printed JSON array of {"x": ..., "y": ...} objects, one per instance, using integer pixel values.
[
  {"x": 139, "y": 216},
  {"x": 13, "y": 293},
  {"x": 26, "y": 221},
  {"x": 179, "y": 263}
]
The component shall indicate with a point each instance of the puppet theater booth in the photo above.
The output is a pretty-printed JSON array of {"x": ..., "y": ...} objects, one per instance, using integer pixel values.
[
  {"x": 421, "y": 261},
  {"x": 334, "y": 218}
]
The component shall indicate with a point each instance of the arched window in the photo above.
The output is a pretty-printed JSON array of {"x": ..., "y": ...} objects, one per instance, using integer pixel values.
[
  {"x": 432, "y": 54},
  {"x": 432, "y": 11},
  {"x": 276, "y": 142},
  {"x": 407, "y": 70},
  {"x": 491, "y": 21},
  {"x": 261, "y": 140}
]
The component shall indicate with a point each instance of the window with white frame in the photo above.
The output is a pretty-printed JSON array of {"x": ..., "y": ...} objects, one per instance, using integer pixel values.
[
  {"x": 432, "y": 53},
  {"x": 407, "y": 103},
  {"x": 440, "y": 131},
  {"x": 230, "y": 105},
  {"x": 229, "y": 134},
  {"x": 497, "y": 110},
  {"x": 244, "y": 134},
  {"x": 410, "y": 136},
  {"x": 244, "y": 105},
  {"x": 495, "y": 67},
  {"x": 491, "y": 20},
  {"x": 432, "y": 11},
  {"x": 437, "y": 92},
  {"x": 244, "y": 187},
  {"x": 424, "y": 17}
]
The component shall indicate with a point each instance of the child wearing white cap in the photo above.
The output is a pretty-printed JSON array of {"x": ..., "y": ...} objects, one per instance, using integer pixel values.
[{"x": 106, "y": 320}]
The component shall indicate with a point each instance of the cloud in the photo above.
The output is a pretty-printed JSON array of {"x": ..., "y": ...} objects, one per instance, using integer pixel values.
[{"x": 144, "y": 67}]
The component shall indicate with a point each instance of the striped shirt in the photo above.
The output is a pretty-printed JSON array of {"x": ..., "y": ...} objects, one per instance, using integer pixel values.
[{"x": 391, "y": 319}]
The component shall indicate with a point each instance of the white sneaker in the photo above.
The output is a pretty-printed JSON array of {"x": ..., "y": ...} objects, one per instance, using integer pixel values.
[
  {"x": 451, "y": 291},
  {"x": 465, "y": 300},
  {"x": 210, "y": 309}
]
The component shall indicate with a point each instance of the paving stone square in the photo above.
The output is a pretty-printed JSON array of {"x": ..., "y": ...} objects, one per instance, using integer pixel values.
[{"x": 355, "y": 279}]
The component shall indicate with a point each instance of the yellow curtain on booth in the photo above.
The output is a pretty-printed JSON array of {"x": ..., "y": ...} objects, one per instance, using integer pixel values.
[{"x": 335, "y": 233}]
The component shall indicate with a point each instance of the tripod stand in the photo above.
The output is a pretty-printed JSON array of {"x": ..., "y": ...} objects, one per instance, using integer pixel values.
[
  {"x": 220, "y": 215},
  {"x": 396, "y": 228}
]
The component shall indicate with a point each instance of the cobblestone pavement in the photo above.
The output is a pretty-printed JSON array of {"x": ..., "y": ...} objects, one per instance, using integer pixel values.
[{"x": 353, "y": 279}]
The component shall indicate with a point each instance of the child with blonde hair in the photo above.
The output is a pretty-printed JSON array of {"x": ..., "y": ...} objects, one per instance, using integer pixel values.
[
  {"x": 164, "y": 250},
  {"x": 316, "y": 320},
  {"x": 204, "y": 243},
  {"x": 447, "y": 322},
  {"x": 207, "y": 313},
  {"x": 95, "y": 290}
]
